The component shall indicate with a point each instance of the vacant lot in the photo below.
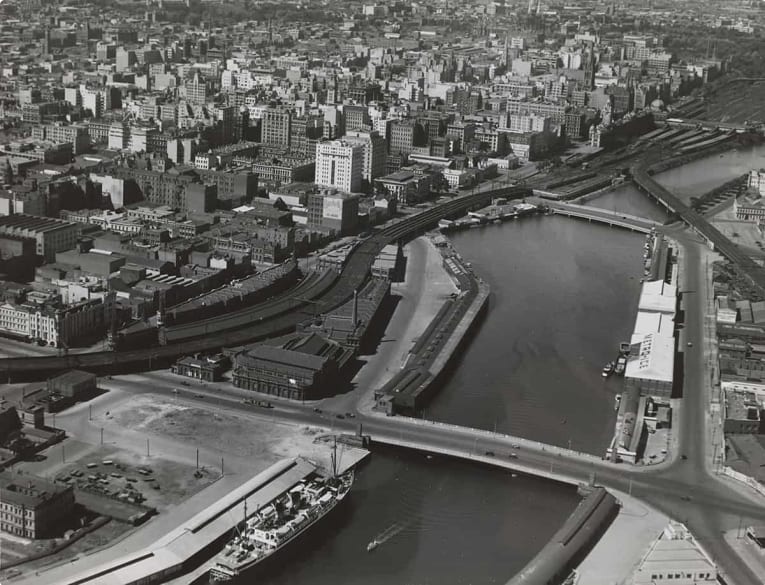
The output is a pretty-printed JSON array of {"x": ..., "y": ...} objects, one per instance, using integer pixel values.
[{"x": 232, "y": 434}]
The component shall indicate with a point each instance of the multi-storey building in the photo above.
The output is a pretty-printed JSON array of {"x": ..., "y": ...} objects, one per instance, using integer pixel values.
[
  {"x": 405, "y": 187},
  {"x": 356, "y": 118},
  {"x": 163, "y": 188},
  {"x": 50, "y": 235},
  {"x": 526, "y": 123},
  {"x": 196, "y": 90},
  {"x": 375, "y": 152},
  {"x": 275, "y": 129},
  {"x": 339, "y": 164},
  {"x": 284, "y": 170},
  {"x": 556, "y": 112},
  {"x": 305, "y": 132},
  {"x": 333, "y": 211},
  {"x": 31, "y": 507},
  {"x": 76, "y": 135},
  {"x": 39, "y": 317},
  {"x": 97, "y": 100},
  {"x": 405, "y": 135}
]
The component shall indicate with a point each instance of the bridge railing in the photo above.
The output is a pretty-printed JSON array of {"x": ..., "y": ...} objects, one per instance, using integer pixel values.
[
  {"x": 635, "y": 226},
  {"x": 513, "y": 464},
  {"x": 512, "y": 440}
]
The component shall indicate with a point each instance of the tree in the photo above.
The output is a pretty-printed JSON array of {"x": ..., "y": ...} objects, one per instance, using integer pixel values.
[
  {"x": 439, "y": 184},
  {"x": 8, "y": 173}
]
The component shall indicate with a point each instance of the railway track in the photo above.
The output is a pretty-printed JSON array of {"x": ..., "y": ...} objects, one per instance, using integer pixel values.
[{"x": 277, "y": 316}]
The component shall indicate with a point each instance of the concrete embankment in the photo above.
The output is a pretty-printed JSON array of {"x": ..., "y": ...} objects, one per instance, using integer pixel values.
[
  {"x": 409, "y": 389},
  {"x": 572, "y": 542}
]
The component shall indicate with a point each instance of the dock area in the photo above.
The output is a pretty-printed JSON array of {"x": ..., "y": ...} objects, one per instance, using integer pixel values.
[
  {"x": 410, "y": 388},
  {"x": 500, "y": 210},
  {"x": 182, "y": 553}
]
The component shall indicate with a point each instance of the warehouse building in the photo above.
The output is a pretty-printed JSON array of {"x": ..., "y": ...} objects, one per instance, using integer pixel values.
[
  {"x": 300, "y": 369},
  {"x": 50, "y": 235},
  {"x": 651, "y": 361}
]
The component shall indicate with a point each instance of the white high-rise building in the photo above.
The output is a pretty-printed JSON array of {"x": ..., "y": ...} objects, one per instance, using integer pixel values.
[
  {"x": 375, "y": 152},
  {"x": 339, "y": 164}
]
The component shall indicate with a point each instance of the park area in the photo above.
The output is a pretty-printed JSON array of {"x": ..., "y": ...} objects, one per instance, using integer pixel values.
[{"x": 737, "y": 102}]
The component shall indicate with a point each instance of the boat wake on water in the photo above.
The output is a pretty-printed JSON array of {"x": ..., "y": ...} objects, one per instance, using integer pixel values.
[{"x": 385, "y": 535}]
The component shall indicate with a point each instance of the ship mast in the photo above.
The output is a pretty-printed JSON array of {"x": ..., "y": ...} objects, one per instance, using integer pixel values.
[{"x": 334, "y": 458}]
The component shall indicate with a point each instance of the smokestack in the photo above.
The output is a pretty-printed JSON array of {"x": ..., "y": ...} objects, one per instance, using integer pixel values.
[{"x": 355, "y": 314}]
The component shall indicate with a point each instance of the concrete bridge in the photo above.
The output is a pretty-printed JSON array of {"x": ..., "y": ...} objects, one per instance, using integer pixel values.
[{"x": 605, "y": 216}]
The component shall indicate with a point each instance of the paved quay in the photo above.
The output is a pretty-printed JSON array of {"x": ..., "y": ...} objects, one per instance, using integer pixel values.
[
  {"x": 619, "y": 551},
  {"x": 425, "y": 288}
]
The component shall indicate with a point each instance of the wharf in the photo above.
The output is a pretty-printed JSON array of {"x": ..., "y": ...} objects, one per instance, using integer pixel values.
[
  {"x": 408, "y": 390},
  {"x": 182, "y": 549}
]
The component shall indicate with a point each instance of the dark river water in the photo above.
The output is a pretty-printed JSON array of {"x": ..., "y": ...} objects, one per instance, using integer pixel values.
[
  {"x": 441, "y": 522},
  {"x": 564, "y": 294}
]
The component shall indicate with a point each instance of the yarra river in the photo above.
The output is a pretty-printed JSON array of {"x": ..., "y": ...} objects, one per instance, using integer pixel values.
[{"x": 564, "y": 294}]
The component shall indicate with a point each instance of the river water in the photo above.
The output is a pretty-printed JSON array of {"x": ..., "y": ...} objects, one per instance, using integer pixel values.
[
  {"x": 442, "y": 522},
  {"x": 564, "y": 294}
]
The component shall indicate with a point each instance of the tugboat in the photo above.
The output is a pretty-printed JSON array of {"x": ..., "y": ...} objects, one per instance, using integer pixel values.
[
  {"x": 373, "y": 545},
  {"x": 608, "y": 369}
]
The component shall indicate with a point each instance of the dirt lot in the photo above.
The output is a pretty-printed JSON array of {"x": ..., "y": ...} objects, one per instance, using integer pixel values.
[
  {"x": 738, "y": 102},
  {"x": 238, "y": 436}
]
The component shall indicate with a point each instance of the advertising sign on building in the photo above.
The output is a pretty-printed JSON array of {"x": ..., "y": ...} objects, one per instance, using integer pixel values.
[{"x": 333, "y": 208}]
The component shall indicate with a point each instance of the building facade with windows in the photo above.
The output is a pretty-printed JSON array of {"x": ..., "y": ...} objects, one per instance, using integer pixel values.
[
  {"x": 339, "y": 164},
  {"x": 31, "y": 507}
]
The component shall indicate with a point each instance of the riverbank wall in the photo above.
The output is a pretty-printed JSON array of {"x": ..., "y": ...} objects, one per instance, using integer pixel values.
[
  {"x": 430, "y": 357},
  {"x": 572, "y": 542}
]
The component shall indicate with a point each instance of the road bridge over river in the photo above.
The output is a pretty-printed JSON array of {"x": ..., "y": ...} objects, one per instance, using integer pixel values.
[{"x": 604, "y": 216}]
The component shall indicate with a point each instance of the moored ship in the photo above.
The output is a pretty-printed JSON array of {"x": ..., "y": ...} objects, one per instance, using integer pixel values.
[{"x": 278, "y": 523}]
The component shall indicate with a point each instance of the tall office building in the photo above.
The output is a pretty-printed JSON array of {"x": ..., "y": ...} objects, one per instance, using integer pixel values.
[
  {"x": 275, "y": 129},
  {"x": 196, "y": 90},
  {"x": 339, "y": 164},
  {"x": 375, "y": 152}
]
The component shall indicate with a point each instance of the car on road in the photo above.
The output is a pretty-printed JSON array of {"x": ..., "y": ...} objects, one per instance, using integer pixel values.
[
  {"x": 184, "y": 383},
  {"x": 512, "y": 455},
  {"x": 685, "y": 498},
  {"x": 690, "y": 344},
  {"x": 199, "y": 395},
  {"x": 319, "y": 410},
  {"x": 175, "y": 391},
  {"x": 340, "y": 415},
  {"x": 350, "y": 415},
  {"x": 683, "y": 456},
  {"x": 490, "y": 453}
]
